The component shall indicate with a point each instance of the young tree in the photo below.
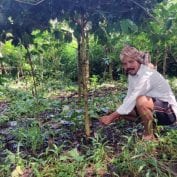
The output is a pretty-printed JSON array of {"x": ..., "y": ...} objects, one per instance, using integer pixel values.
[{"x": 162, "y": 33}]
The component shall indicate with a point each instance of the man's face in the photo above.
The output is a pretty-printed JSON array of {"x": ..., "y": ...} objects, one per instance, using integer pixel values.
[{"x": 130, "y": 65}]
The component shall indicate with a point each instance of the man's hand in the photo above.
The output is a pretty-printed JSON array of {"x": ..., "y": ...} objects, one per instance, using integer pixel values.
[
  {"x": 109, "y": 118},
  {"x": 106, "y": 120}
]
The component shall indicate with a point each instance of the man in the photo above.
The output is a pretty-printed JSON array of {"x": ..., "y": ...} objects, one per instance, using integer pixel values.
[{"x": 149, "y": 95}]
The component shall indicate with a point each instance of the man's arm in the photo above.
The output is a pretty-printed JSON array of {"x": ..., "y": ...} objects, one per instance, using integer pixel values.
[{"x": 109, "y": 118}]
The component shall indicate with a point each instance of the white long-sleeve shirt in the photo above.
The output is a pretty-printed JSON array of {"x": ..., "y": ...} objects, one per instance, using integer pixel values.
[{"x": 147, "y": 82}]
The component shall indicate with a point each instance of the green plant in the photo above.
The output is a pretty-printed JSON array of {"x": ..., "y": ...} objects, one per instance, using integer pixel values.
[
  {"x": 11, "y": 163},
  {"x": 99, "y": 154},
  {"x": 73, "y": 116},
  {"x": 141, "y": 158},
  {"x": 99, "y": 149},
  {"x": 23, "y": 104},
  {"x": 69, "y": 163},
  {"x": 168, "y": 145},
  {"x": 31, "y": 137},
  {"x": 94, "y": 81},
  {"x": 4, "y": 119}
]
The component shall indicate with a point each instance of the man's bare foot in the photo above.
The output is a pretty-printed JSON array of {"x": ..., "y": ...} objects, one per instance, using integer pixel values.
[{"x": 148, "y": 137}]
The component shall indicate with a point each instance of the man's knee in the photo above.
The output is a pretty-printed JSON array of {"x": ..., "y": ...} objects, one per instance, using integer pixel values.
[
  {"x": 140, "y": 100},
  {"x": 144, "y": 101}
]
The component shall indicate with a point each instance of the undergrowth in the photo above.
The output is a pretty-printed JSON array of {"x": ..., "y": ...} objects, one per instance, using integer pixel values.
[{"x": 50, "y": 141}]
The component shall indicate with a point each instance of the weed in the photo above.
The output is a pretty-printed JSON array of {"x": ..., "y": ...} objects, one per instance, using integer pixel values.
[
  {"x": 11, "y": 161},
  {"x": 142, "y": 158},
  {"x": 31, "y": 137},
  {"x": 99, "y": 154},
  {"x": 69, "y": 164}
]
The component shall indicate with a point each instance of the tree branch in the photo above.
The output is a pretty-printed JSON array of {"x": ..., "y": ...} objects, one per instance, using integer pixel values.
[
  {"x": 139, "y": 5},
  {"x": 31, "y": 3}
]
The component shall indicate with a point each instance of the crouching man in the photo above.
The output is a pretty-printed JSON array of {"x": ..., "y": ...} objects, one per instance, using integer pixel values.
[{"x": 149, "y": 95}]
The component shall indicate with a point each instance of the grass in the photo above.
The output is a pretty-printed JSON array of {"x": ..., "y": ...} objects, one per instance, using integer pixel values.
[{"x": 53, "y": 144}]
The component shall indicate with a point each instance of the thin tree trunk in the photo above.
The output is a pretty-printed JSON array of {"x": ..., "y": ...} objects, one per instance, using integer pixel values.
[
  {"x": 18, "y": 74},
  {"x": 21, "y": 72},
  {"x": 110, "y": 71},
  {"x": 85, "y": 76},
  {"x": 87, "y": 59},
  {"x": 79, "y": 63},
  {"x": 42, "y": 71},
  {"x": 34, "y": 92},
  {"x": 156, "y": 60},
  {"x": 165, "y": 61},
  {"x": 3, "y": 70},
  {"x": 109, "y": 74}
]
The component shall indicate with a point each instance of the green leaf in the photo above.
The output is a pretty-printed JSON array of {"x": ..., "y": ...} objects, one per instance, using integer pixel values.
[
  {"x": 141, "y": 168},
  {"x": 75, "y": 155},
  {"x": 128, "y": 26},
  {"x": 168, "y": 24},
  {"x": 64, "y": 158}
]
